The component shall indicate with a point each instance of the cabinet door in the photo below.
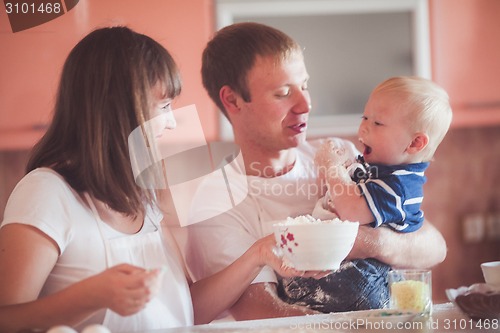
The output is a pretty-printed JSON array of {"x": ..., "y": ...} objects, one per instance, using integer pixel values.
[
  {"x": 465, "y": 45},
  {"x": 350, "y": 46},
  {"x": 31, "y": 60},
  {"x": 29, "y": 63}
]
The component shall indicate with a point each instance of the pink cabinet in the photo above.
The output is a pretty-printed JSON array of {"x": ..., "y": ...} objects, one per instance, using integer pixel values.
[
  {"x": 465, "y": 46},
  {"x": 31, "y": 60}
]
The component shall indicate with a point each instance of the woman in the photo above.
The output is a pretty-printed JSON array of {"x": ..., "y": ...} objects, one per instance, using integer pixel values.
[{"x": 80, "y": 242}]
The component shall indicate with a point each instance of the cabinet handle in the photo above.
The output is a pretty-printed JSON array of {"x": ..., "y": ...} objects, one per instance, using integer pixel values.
[
  {"x": 482, "y": 105},
  {"x": 40, "y": 127}
]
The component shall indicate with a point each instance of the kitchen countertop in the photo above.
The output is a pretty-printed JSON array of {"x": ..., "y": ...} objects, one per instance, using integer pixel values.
[{"x": 445, "y": 318}]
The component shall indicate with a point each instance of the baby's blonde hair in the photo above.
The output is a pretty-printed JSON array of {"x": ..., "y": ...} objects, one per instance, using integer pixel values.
[{"x": 428, "y": 107}]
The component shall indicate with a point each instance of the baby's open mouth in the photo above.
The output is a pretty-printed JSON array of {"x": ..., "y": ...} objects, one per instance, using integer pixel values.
[{"x": 368, "y": 150}]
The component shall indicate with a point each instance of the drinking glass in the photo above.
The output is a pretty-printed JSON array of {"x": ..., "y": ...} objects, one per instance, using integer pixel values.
[{"x": 411, "y": 290}]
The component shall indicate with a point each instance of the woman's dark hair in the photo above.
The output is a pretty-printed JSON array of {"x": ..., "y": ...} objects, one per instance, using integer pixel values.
[{"x": 105, "y": 92}]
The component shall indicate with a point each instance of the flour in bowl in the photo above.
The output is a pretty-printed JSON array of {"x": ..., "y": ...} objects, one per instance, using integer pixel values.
[{"x": 308, "y": 219}]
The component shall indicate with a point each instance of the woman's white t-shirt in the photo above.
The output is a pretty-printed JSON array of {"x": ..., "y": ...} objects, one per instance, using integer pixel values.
[{"x": 44, "y": 200}]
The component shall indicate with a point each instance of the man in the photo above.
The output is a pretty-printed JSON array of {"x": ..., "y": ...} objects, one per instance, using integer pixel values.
[{"x": 256, "y": 75}]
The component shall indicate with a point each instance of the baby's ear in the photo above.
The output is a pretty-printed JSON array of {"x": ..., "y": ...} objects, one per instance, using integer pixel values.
[{"x": 419, "y": 142}]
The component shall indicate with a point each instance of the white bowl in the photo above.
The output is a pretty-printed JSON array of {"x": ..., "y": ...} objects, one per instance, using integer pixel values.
[
  {"x": 319, "y": 245},
  {"x": 491, "y": 273}
]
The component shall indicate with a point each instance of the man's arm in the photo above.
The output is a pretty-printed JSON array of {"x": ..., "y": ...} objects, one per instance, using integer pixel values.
[
  {"x": 260, "y": 300},
  {"x": 421, "y": 249}
]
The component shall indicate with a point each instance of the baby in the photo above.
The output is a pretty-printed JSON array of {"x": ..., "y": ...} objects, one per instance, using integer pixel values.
[{"x": 404, "y": 121}]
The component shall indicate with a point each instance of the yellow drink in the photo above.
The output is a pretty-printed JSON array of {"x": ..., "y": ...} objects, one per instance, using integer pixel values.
[{"x": 410, "y": 295}]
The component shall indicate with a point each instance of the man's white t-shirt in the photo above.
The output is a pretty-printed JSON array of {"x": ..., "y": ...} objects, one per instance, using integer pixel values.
[{"x": 216, "y": 242}]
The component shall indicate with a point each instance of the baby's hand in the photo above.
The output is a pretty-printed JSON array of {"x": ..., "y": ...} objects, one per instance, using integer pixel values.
[
  {"x": 329, "y": 155},
  {"x": 331, "y": 162}
]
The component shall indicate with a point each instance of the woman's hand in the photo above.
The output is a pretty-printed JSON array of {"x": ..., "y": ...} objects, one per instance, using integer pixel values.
[
  {"x": 124, "y": 288},
  {"x": 269, "y": 255}
]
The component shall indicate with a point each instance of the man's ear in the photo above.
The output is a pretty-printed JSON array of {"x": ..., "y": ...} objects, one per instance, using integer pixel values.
[
  {"x": 418, "y": 143},
  {"x": 230, "y": 99}
]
